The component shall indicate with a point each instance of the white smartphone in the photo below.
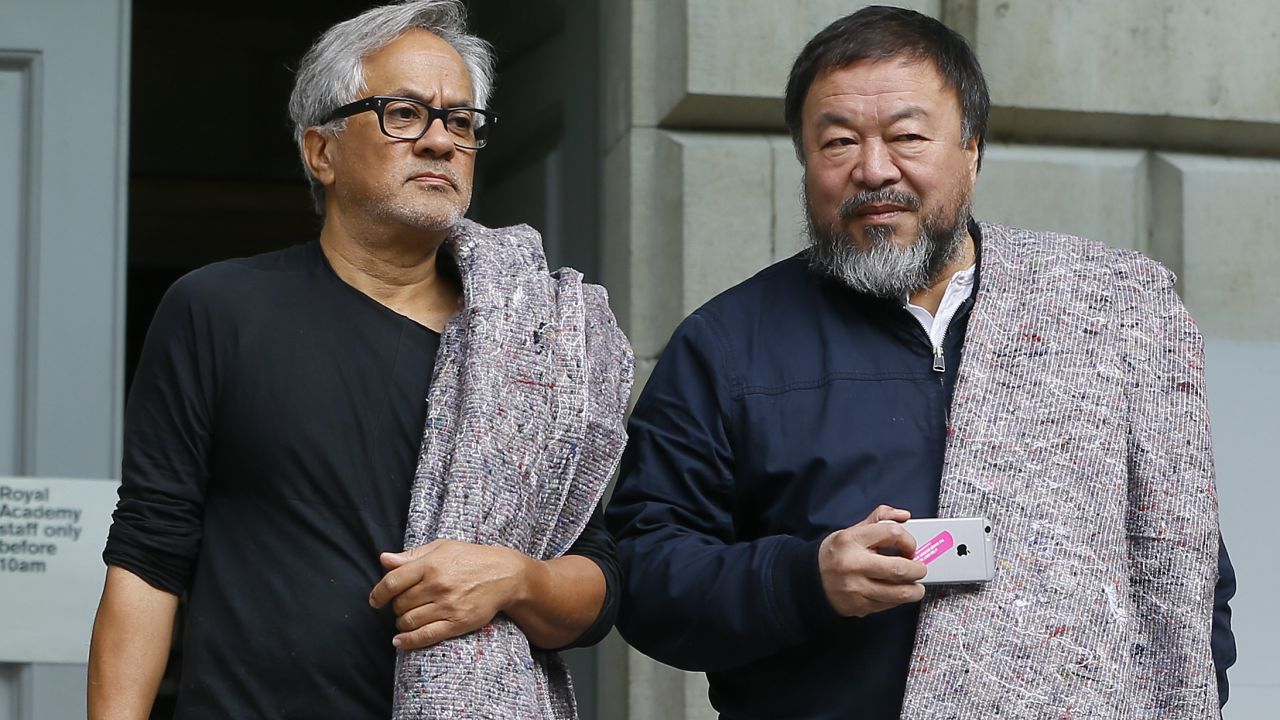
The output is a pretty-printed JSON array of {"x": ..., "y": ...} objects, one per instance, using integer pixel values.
[{"x": 954, "y": 550}]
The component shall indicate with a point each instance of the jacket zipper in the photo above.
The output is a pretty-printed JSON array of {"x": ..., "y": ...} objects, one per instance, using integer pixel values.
[{"x": 939, "y": 354}]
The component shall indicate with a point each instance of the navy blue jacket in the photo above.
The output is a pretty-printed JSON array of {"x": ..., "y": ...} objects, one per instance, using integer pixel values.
[{"x": 784, "y": 409}]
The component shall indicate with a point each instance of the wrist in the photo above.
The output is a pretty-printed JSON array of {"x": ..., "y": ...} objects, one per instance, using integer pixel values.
[{"x": 526, "y": 575}]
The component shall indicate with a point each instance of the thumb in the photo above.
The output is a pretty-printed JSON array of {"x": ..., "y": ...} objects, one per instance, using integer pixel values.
[
  {"x": 393, "y": 560},
  {"x": 886, "y": 512}
]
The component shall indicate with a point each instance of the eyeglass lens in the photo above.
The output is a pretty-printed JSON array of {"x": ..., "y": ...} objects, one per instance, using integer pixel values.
[{"x": 408, "y": 121}]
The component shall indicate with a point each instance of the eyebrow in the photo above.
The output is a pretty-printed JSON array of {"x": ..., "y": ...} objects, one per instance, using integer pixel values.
[
  {"x": 910, "y": 111},
  {"x": 415, "y": 95},
  {"x": 830, "y": 117}
]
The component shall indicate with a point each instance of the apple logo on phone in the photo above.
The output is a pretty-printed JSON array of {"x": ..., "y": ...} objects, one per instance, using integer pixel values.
[{"x": 962, "y": 550}]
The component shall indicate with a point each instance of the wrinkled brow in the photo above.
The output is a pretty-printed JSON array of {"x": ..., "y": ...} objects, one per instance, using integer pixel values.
[
  {"x": 832, "y": 117},
  {"x": 907, "y": 112},
  {"x": 415, "y": 95}
]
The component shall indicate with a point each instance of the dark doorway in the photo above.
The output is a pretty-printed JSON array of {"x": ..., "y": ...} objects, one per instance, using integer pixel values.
[{"x": 226, "y": 181}]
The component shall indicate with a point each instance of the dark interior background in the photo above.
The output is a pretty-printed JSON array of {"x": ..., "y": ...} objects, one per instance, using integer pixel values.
[{"x": 214, "y": 174}]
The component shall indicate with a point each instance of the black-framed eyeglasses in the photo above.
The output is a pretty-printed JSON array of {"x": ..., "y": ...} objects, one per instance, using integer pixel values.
[{"x": 408, "y": 119}]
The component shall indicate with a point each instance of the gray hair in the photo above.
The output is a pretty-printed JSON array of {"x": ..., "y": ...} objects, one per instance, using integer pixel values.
[{"x": 332, "y": 72}]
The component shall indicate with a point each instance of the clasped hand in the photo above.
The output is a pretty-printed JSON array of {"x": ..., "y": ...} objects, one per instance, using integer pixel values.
[{"x": 447, "y": 588}]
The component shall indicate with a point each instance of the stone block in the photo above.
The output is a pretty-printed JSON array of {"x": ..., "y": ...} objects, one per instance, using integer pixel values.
[
  {"x": 630, "y": 31},
  {"x": 686, "y": 216},
  {"x": 661, "y": 692},
  {"x": 1213, "y": 227},
  {"x": 789, "y": 234},
  {"x": 725, "y": 204},
  {"x": 1098, "y": 194},
  {"x": 1207, "y": 60},
  {"x": 697, "y": 705},
  {"x": 640, "y": 258},
  {"x": 644, "y": 369},
  {"x": 613, "y": 677},
  {"x": 725, "y": 64}
]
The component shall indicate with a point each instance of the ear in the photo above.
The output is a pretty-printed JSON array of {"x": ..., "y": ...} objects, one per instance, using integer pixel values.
[
  {"x": 971, "y": 149},
  {"x": 317, "y": 151}
]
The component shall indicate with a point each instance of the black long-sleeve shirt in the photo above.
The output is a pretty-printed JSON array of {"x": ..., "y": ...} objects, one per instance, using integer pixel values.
[{"x": 271, "y": 439}]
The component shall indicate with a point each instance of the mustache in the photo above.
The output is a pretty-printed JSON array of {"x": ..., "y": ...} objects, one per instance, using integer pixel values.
[{"x": 855, "y": 203}]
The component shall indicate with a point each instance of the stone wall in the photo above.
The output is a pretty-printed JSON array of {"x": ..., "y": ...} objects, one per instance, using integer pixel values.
[{"x": 1152, "y": 124}]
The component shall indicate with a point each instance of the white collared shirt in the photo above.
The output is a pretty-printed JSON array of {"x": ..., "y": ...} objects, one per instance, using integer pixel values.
[{"x": 958, "y": 290}]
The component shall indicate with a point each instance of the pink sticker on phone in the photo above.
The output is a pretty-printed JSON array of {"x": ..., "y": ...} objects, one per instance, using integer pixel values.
[{"x": 933, "y": 549}]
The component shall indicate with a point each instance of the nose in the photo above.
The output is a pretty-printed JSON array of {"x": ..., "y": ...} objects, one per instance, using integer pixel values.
[
  {"x": 876, "y": 167},
  {"x": 436, "y": 141}
]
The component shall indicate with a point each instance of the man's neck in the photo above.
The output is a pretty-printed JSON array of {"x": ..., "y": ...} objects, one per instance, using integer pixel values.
[
  {"x": 397, "y": 270},
  {"x": 930, "y": 298}
]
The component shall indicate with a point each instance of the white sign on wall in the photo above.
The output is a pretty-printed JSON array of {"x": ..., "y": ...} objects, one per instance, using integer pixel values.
[{"x": 52, "y": 532}]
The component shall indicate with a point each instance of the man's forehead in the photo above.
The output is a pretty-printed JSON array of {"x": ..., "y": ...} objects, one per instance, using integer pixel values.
[
  {"x": 425, "y": 92},
  {"x": 418, "y": 64},
  {"x": 900, "y": 73},
  {"x": 910, "y": 86}
]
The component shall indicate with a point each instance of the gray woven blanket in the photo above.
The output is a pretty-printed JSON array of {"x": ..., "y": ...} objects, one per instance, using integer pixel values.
[
  {"x": 524, "y": 429},
  {"x": 1080, "y": 429}
]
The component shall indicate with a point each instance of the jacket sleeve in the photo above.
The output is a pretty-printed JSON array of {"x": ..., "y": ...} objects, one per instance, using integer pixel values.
[
  {"x": 1173, "y": 539},
  {"x": 1224, "y": 640},
  {"x": 698, "y": 596}
]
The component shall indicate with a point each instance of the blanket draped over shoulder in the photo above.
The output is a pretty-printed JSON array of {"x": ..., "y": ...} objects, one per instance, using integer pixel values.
[
  {"x": 524, "y": 429},
  {"x": 1080, "y": 430}
]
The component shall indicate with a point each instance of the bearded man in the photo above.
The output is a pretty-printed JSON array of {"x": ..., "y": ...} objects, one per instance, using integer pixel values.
[{"x": 915, "y": 363}]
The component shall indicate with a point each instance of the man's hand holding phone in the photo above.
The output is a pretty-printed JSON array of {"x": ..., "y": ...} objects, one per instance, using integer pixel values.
[{"x": 857, "y": 578}]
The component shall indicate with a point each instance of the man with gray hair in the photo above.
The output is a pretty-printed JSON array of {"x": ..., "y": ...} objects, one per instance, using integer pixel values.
[
  {"x": 372, "y": 463},
  {"x": 914, "y": 363}
]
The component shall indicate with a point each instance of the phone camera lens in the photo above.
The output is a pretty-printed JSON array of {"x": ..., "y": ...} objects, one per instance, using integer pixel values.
[{"x": 987, "y": 529}]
